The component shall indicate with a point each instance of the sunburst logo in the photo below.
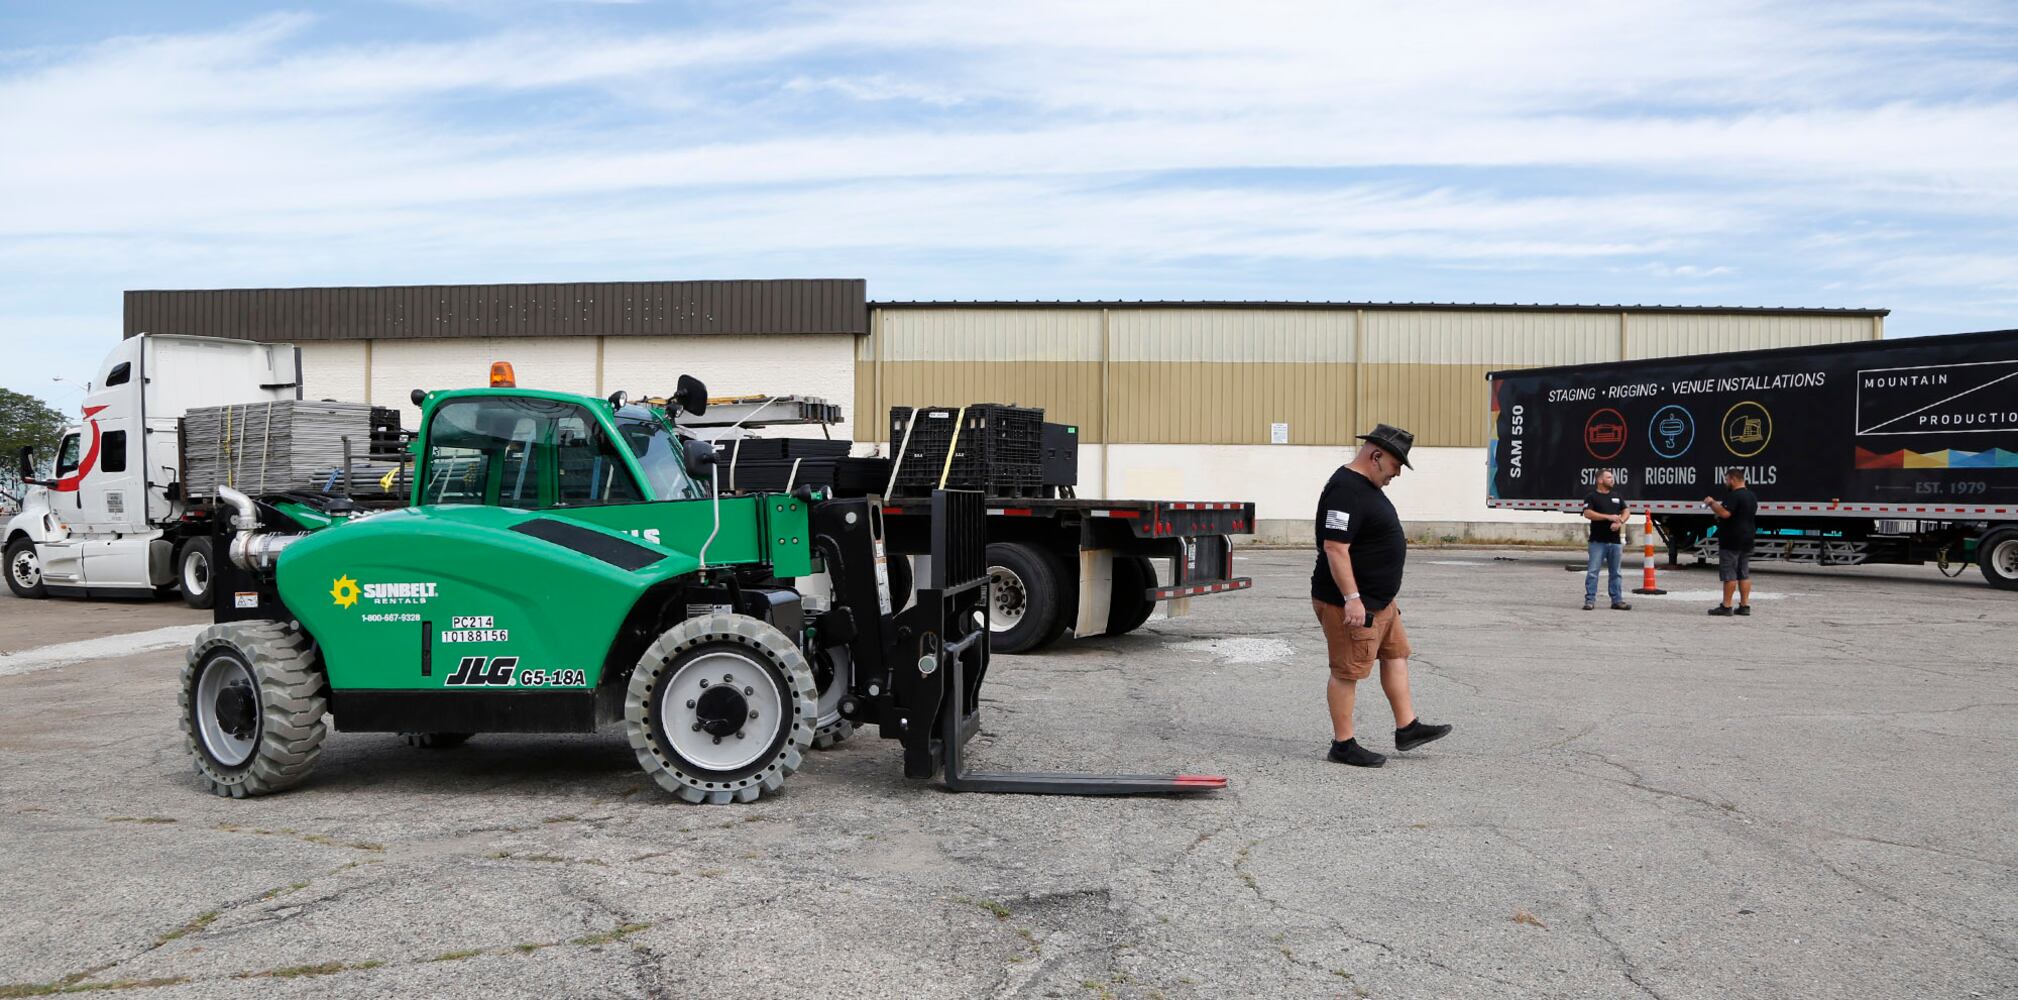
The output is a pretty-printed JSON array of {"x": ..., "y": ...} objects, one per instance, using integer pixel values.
[{"x": 345, "y": 590}]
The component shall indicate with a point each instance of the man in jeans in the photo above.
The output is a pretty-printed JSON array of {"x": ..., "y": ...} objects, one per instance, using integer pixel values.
[
  {"x": 1735, "y": 526},
  {"x": 1606, "y": 512}
]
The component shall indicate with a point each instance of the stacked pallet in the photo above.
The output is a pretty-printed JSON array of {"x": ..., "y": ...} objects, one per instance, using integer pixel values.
[{"x": 278, "y": 446}]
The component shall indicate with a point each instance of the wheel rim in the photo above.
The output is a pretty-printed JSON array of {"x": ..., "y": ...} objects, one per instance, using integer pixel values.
[
  {"x": 722, "y": 710},
  {"x": 2005, "y": 558},
  {"x": 1009, "y": 601},
  {"x": 227, "y": 710},
  {"x": 195, "y": 573},
  {"x": 833, "y": 672},
  {"x": 26, "y": 568}
]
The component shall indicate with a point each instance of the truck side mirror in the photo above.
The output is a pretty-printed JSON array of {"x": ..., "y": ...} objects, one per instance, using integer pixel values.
[
  {"x": 692, "y": 395},
  {"x": 700, "y": 456},
  {"x": 27, "y": 462}
]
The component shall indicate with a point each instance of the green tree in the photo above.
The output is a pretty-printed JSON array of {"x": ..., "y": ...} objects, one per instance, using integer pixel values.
[{"x": 26, "y": 420}]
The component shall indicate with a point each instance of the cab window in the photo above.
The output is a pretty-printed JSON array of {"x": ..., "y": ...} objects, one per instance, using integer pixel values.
[
  {"x": 521, "y": 452},
  {"x": 66, "y": 456},
  {"x": 660, "y": 455}
]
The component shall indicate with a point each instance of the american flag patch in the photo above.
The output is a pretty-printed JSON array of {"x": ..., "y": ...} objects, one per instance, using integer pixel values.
[{"x": 1336, "y": 520}]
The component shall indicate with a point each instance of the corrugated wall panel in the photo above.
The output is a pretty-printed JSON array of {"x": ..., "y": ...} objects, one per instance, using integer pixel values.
[
  {"x": 1193, "y": 402},
  {"x": 1232, "y": 335},
  {"x": 1069, "y": 391},
  {"x": 1442, "y": 405},
  {"x": 1506, "y": 340},
  {"x": 990, "y": 335},
  {"x": 1671, "y": 335}
]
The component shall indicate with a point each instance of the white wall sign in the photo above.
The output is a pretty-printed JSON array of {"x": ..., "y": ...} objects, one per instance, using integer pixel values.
[{"x": 1278, "y": 433}]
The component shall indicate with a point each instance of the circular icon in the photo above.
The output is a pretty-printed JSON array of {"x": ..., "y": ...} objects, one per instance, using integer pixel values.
[
  {"x": 1748, "y": 428},
  {"x": 1672, "y": 431},
  {"x": 1605, "y": 434}
]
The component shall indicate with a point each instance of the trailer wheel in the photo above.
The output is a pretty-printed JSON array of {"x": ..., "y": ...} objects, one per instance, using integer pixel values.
[
  {"x": 24, "y": 569},
  {"x": 435, "y": 741},
  {"x": 721, "y": 709},
  {"x": 1026, "y": 610},
  {"x": 1997, "y": 557},
  {"x": 1127, "y": 604},
  {"x": 833, "y": 673},
  {"x": 252, "y": 707},
  {"x": 192, "y": 570}
]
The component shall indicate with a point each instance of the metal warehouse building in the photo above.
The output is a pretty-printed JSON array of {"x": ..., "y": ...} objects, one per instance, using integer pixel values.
[{"x": 1177, "y": 400}]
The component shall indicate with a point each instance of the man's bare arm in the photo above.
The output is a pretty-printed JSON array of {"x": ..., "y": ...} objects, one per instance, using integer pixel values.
[{"x": 1338, "y": 555}]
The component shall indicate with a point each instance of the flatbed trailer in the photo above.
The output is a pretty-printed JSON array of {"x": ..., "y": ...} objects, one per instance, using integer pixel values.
[{"x": 1087, "y": 565}]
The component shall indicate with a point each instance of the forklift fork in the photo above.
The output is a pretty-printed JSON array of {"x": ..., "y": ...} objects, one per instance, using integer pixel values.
[{"x": 944, "y": 658}]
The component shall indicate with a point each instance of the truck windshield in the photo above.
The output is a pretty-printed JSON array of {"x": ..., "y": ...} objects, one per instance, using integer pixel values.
[
  {"x": 659, "y": 453},
  {"x": 521, "y": 452}
]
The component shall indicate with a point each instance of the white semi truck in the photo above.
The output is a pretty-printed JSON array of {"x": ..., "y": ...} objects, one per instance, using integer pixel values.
[{"x": 116, "y": 520}]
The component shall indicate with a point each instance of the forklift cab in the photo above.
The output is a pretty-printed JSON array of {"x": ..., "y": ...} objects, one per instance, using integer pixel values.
[{"x": 536, "y": 450}]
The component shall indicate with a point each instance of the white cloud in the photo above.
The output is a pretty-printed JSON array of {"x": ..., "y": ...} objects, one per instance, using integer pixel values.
[{"x": 1771, "y": 150}]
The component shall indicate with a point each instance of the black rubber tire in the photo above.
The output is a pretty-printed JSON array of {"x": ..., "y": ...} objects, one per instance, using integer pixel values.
[
  {"x": 290, "y": 703},
  {"x": 1995, "y": 557},
  {"x": 1045, "y": 597},
  {"x": 1127, "y": 606},
  {"x": 435, "y": 741},
  {"x": 898, "y": 566},
  {"x": 196, "y": 554},
  {"x": 16, "y": 548},
  {"x": 759, "y": 644}
]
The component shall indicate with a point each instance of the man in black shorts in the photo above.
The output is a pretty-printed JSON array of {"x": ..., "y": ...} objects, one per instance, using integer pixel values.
[
  {"x": 1360, "y": 552},
  {"x": 1735, "y": 527}
]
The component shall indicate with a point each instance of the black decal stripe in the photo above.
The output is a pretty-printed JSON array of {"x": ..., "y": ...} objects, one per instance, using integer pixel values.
[{"x": 609, "y": 549}]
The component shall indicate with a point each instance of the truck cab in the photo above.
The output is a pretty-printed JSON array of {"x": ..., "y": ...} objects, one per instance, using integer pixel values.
[{"x": 113, "y": 519}]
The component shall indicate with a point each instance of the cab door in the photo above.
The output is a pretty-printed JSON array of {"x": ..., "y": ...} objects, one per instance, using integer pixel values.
[{"x": 62, "y": 552}]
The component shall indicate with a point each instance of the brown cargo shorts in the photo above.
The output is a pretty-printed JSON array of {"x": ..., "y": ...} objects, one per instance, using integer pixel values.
[{"x": 1353, "y": 648}]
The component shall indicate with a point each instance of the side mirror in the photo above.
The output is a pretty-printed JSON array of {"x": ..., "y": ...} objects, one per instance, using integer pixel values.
[
  {"x": 700, "y": 455},
  {"x": 692, "y": 395},
  {"x": 419, "y": 397},
  {"x": 28, "y": 468}
]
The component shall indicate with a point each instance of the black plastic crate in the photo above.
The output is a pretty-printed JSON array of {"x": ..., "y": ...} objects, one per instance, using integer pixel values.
[
  {"x": 998, "y": 448},
  {"x": 843, "y": 475},
  {"x": 780, "y": 449},
  {"x": 1060, "y": 465}
]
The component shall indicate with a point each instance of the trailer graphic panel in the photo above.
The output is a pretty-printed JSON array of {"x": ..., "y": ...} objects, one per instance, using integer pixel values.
[{"x": 1878, "y": 427}]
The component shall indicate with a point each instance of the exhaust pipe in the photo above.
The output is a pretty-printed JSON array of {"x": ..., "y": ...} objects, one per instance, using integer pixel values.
[{"x": 251, "y": 549}]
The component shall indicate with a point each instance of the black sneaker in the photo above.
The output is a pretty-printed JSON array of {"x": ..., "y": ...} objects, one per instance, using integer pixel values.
[
  {"x": 1622, "y": 606},
  {"x": 1416, "y": 733},
  {"x": 1588, "y": 605},
  {"x": 1744, "y": 609},
  {"x": 1721, "y": 611},
  {"x": 1350, "y": 752}
]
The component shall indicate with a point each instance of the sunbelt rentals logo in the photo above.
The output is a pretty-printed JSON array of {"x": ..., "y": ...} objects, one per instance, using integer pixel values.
[{"x": 347, "y": 592}]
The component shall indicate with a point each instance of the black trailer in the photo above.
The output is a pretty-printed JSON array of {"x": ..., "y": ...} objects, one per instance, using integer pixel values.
[{"x": 1902, "y": 451}]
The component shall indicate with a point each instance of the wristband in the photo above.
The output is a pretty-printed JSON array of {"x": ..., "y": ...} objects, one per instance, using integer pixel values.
[{"x": 1354, "y": 596}]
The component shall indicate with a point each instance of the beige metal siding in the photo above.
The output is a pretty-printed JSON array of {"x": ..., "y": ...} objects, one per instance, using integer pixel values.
[
  {"x": 1672, "y": 335},
  {"x": 1288, "y": 336},
  {"x": 1172, "y": 374},
  {"x": 1501, "y": 340}
]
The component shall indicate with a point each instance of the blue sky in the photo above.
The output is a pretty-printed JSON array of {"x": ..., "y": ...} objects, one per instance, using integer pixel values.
[{"x": 1844, "y": 155}]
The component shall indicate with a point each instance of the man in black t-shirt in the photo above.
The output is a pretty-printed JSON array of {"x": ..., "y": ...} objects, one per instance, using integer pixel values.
[
  {"x": 1606, "y": 512},
  {"x": 1360, "y": 552},
  {"x": 1735, "y": 527}
]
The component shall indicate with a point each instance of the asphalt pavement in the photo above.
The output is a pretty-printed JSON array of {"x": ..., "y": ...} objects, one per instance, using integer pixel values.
[{"x": 1816, "y": 801}]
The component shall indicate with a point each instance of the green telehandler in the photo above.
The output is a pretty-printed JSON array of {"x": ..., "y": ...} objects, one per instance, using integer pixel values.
[{"x": 567, "y": 563}]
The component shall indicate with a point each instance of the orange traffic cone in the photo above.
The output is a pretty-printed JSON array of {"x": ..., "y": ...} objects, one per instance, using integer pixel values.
[{"x": 1647, "y": 585}]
